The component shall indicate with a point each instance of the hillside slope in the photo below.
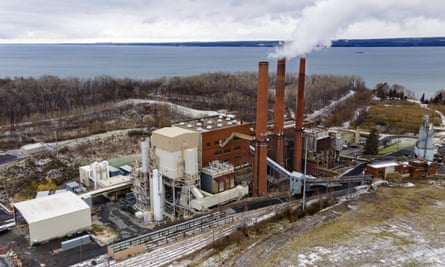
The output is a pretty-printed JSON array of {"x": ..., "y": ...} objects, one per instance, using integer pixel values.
[{"x": 395, "y": 226}]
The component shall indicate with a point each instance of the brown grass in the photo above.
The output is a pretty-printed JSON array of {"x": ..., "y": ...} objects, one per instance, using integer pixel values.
[
  {"x": 401, "y": 116},
  {"x": 388, "y": 204}
]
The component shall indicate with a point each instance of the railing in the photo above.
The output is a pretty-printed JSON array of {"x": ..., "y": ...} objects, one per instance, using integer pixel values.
[{"x": 180, "y": 229}]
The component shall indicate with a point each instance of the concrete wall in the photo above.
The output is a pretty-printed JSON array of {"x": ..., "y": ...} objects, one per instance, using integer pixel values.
[{"x": 126, "y": 253}]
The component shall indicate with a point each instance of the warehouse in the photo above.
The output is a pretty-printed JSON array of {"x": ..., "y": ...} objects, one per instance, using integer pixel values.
[{"x": 53, "y": 216}]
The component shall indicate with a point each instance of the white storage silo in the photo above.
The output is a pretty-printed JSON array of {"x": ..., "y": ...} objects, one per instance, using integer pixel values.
[
  {"x": 157, "y": 196},
  {"x": 144, "y": 151}
]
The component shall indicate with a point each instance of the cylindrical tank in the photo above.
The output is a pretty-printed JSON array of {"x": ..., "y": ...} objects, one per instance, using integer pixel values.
[
  {"x": 156, "y": 201},
  {"x": 105, "y": 174},
  {"x": 191, "y": 161},
  {"x": 144, "y": 152}
]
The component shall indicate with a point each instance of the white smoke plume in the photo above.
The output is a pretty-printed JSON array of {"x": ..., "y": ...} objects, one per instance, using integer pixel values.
[{"x": 327, "y": 20}]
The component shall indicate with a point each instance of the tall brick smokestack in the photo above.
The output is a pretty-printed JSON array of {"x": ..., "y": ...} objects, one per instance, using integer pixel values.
[
  {"x": 299, "y": 117},
  {"x": 279, "y": 111},
  {"x": 259, "y": 185}
]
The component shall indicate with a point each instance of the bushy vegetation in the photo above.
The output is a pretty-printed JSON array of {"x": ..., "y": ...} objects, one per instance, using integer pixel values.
[
  {"x": 354, "y": 109},
  {"x": 321, "y": 90},
  {"x": 40, "y": 173}
]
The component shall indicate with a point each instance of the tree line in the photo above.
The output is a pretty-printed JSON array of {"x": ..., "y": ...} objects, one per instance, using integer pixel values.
[
  {"x": 24, "y": 99},
  {"x": 437, "y": 99},
  {"x": 384, "y": 91}
]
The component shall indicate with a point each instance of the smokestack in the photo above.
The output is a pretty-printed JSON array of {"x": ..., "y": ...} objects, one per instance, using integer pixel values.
[
  {"x": 259, "y": 185},
  {"x": 299, "y": 117},
  {"x": 279, "y": 97},
  {"x": 261, "y": 104},
  {"x": 279, "y": 111}
]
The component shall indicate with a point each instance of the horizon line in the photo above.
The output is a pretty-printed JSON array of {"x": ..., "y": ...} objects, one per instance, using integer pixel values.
[{"x": 341, "y": 42}]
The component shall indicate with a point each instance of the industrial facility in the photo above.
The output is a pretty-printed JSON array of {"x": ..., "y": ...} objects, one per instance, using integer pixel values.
[
  {"x": 192, "y": 166},
  {"x": 188, "y": 172}
]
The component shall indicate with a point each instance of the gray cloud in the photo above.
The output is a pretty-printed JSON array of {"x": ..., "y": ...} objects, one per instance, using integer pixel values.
[{"x": 195, "y": 20}]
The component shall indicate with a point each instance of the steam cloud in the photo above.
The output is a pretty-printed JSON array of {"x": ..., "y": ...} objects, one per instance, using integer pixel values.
[{"x": 325, "y": 20}]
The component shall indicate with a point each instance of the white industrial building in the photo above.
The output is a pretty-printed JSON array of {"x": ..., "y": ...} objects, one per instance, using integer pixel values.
[
  {"x": 95, "y": 172},
  {"x": 53, "y": 216},
  {"x": 177, "y": 150}
]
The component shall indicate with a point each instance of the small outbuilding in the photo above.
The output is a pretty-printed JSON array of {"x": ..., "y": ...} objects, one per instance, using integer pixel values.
[
  {"x": 382, "y": 169},
  {"x": 53, "y": 216}
]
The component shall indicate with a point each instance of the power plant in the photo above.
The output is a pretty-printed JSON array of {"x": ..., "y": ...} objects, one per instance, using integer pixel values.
[
  {"x": 195, "y": 165},
  {"x": 191, "y": 167}
]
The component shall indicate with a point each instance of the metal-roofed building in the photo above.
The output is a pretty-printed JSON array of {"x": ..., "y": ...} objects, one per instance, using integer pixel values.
[{"x": 53, "y": 216}]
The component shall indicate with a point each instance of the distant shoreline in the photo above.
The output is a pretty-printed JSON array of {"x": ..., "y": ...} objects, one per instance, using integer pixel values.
[{"x": 385, "y": 42}]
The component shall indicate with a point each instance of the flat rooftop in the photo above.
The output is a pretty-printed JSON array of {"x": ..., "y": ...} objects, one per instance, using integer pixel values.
[
  {"x": 210, "y": 123},
  {"x": 51, "y": 206},
  {"x": 383, "y": 164}
]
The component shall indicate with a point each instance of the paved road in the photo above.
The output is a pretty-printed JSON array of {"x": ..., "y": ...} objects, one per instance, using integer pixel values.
[
  {"x": 5, "y": 158},
  {"x": 357, "y": 170}
]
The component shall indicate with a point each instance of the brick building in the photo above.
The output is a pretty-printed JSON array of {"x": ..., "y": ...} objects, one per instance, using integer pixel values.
[
  {"x": 412, "y": 168},
  {"x": 220, "y": 139}
]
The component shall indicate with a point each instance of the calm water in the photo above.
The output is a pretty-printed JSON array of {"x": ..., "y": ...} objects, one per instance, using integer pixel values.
[{"x": 420, "y": 69}]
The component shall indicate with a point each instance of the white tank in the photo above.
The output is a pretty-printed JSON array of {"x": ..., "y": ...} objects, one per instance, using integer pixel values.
[
  {"x": 144, "y": 152},
  {"x": 105, "y": 170},
  {"x": 191, "y": 161},
  {"x": 156, "y": 201},
  {"x": 94, "y": 173}
]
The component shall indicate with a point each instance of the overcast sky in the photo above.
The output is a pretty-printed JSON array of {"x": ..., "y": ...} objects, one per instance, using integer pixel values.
[{"x": 31, "y": 21}]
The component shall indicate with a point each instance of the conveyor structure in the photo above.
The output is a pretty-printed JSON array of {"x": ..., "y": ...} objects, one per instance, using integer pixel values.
[{"x": 296, "y": 179}]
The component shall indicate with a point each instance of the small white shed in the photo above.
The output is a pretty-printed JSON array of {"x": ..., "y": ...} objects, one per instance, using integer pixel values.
[{"x": 53, "y": 216}]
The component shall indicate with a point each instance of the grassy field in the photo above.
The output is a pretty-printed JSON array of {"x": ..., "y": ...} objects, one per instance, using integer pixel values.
[
  {"x": 383, "y": 231},
  {"x": 400, "y": 116},
  {"x": 399, "y": 144},
  {"x": 440, "y": 108},
  {"x": 124, "y": 160}
]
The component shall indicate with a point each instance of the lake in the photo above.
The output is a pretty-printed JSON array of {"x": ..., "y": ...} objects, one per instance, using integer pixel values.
[{"x": 420, "y": 69}]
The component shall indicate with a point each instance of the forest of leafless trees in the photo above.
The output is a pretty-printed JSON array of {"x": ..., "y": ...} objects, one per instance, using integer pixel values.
[
  {"x": 50, "y": 108},
  {"x": 34, "y": 99}
]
